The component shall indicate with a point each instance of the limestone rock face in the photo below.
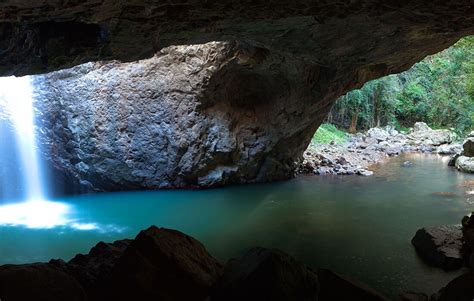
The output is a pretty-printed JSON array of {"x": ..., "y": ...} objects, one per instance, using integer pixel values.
[
  {"x": 190, "y": 116},
  {"x": 236, "y": 102}
]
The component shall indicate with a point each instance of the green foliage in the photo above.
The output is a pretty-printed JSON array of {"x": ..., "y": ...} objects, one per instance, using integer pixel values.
[
  {"x": 327, "y": 133},
  {"x": 439, "y": 91}
]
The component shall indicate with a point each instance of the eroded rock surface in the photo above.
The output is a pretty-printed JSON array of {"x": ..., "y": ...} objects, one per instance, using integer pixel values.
[
  {"x": 189, "y": 116},
  {"x": 372, "y": 36}
]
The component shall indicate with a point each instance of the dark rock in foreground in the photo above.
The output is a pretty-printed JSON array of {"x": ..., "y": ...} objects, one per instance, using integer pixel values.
[
  {"x": 39, "y": 281},
  {"x": 159, "y": 264},
  {"x": 162, "y": 264},
  {"x": 165, "y": 265},
  {"x": 412, "y": 296},
  {"x": 460, "y": 289},
  {"x": 337, "y": 287},
  {"x": 440, "y": 246},
  {"x": 263, "y": 274}
]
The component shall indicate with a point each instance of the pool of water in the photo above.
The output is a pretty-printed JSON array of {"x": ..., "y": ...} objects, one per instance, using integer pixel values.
[{"x": 357, "y": 226}]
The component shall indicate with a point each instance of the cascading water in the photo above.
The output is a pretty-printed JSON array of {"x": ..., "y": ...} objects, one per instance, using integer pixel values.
[
  {"x": 21, "y": 178},
  {"x": 23, "y": 189},
  {"x": 16, "y": 97}
]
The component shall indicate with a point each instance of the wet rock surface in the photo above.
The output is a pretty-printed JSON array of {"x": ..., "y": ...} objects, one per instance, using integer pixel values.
[
  {"x": 365, "y": 149},
  {"x": 441, "y": 246}
]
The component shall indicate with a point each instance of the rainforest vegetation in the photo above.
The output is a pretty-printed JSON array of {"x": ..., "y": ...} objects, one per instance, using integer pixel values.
[{"x": 438, "y": 90}]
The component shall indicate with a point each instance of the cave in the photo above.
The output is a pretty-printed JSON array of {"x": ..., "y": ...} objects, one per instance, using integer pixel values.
[{"x": 154, "y": 103}]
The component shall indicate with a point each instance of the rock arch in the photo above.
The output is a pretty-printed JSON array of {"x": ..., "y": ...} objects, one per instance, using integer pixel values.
[{"x": 225, "y": 91}]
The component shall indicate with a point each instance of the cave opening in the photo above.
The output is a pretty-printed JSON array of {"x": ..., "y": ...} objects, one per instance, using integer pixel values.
[
  {"x": 124, "y": 126},
  {"x": 143, "y": 117}
]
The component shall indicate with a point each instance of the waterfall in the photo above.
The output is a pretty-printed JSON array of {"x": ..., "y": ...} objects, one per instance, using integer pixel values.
[{"x": 16, "y": 102}]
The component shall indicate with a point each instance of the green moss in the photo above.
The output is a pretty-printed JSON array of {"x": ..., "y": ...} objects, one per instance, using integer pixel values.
[{"x": 327, "y": 133}]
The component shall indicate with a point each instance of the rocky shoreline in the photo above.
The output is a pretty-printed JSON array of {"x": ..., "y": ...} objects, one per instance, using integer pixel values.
[
  {"x": 450, "y": 247},
  {"x": 362, "y": 150}
]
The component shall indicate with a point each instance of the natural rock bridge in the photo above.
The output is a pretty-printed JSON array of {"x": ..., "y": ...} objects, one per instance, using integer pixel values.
[{"x": 225, "y": 92}]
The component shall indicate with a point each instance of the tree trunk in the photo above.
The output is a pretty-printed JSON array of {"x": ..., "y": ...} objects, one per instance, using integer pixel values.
[{"x": 353, "y": 127}]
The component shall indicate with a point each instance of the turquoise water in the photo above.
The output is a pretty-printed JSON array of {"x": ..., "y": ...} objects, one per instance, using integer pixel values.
[{"x": 357, "y": 226}]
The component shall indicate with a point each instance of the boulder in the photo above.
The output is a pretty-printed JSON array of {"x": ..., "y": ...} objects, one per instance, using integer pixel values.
[
  {"x": 452, "y": 160},
  {"x": 439, "y": 137},
  {"x": 465, "y": 164},
  {"x": 41, "y": 281},
  {"x": 449, "y": 149},
  {"x": 163, "y": 264},
  {"x": 468, "y": 147},
  {"x": 364, "y": 172},
  {"x": 468, "y": 231},
  {"x": 337, "y": 287},
  {"x": 94, "y": 270},
  {"x": 378, "y": 134},
  {"x": 459, "y": 289},
  {"x": 266, "y": 274},
  {"x": 413, "y": 296},
  {"x": 440, "y": 246},
  {"x": 421, "y": 127},
  {"x": 422, "y": 134}
]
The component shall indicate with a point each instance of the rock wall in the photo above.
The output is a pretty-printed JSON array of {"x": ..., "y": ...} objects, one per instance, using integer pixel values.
[
  {"x": 190, "y": 116},
  {"x": 232, "y": 93}
]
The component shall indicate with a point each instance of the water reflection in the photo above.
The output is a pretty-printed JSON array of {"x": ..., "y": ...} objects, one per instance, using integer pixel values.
[{"x": 42, "y": 214}]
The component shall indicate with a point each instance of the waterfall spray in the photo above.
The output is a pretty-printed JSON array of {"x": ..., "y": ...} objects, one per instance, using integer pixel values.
[{"x": 16, "y": 97}]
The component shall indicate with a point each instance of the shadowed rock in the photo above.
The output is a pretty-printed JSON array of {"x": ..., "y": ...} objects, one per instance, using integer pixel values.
[
  {"x": 162, "y": 264},
  {"x": 459, "y": 289},
  {"x": 41, "y": 281},
  {"x": 337, "y": 287},
  {"x": 413, "y": 296},
  {"x": 264, "y": 274},
  {"x": 440, "y": 246}
]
